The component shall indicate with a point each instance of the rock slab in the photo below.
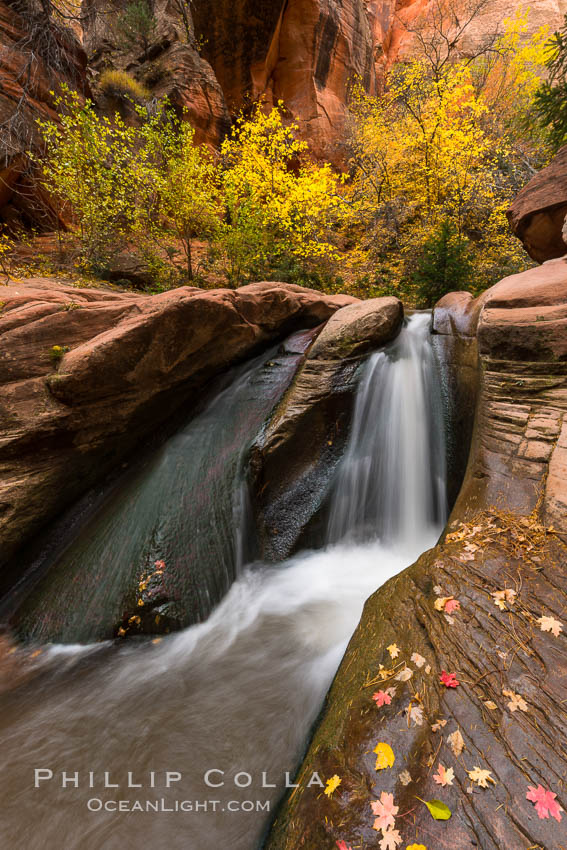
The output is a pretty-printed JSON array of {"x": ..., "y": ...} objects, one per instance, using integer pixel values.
[{"x": 87, "y": 373}]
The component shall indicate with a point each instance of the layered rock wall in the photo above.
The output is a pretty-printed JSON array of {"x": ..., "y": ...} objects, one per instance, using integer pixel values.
[{"x": 37, "y": 54}]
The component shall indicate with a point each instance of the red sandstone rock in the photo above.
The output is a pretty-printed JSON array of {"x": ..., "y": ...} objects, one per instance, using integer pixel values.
[
  {"x": 538, "y": 213},
  {"x": 304, "y": 52},
  {"x": 28, "y": 81},
  {"x": 172, "y": 68},
  {"x": 132, "y": 360}
]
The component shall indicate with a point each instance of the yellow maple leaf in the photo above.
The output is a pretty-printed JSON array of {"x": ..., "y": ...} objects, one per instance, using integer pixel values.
[
  {"x": 416, "y": 847},
  {"x": 332, "y": 784},
  {"x": 441, "y": 602},
  {"x": 501, "y": 597},
  {"x": 394, "y": 650},
  {"x": 481, "y": 777},
  {"x": 384, "y": 756}
]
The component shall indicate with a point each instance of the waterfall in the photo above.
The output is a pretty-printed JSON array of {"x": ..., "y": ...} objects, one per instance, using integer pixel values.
[
  {"x": 239, "y": 692},
  {"x": 391, "y": 482}
]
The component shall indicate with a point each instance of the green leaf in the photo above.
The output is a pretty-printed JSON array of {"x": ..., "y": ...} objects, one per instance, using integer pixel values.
[{"x": 437, "y": 809}]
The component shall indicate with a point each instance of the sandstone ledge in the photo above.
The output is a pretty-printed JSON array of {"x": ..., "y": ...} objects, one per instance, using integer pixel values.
[{"x": 132, "y": 360}]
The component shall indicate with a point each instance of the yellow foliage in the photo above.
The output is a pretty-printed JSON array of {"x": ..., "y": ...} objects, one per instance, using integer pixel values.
[
  {"x": 384, "y": 756},
  {"x": 451, "y": 147},
  {"x": 121, "y": 84}
]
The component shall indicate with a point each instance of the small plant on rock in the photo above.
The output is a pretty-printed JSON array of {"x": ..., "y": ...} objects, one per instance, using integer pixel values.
[
  {"x": 122, "y": 86},
  {"x": 57, "y": 353}
]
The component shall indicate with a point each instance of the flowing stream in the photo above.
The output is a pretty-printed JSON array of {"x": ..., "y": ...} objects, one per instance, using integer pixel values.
[{"x": 239, "y": 692}]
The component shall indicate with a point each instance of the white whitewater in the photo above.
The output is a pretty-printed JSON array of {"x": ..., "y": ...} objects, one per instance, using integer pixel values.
[
  {"x": 391, "y": 483},
  {"x": 239, "y": 692}
]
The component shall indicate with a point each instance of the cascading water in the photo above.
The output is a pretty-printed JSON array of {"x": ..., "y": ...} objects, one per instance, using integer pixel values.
[
  {"x": 237, "y": 693},
  {"x": 184, "y": 505},
  {"x": 391, "y": 482}
]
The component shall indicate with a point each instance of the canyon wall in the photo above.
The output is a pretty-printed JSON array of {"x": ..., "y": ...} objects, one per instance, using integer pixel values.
[
  {"x": 307, "y": 52},
  {"x": 215, "y": 58}
]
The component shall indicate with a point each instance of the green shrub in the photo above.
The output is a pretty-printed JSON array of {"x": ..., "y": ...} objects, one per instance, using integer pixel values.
[
  {"x": 444, "y": 266},
  {"x": 551, "y": 97},
  {"x": 136, "y": 25},
  {"x": 122, "y": 86}
]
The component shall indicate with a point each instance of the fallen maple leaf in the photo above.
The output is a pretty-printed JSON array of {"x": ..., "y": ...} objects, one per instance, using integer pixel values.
[
  {"x": 342, "y": 845},
  {"x": 415, "y": 713},
  {"x": 444, "y": 775},
  {"x": 383, "y": 697},
  {"x": 452, "y": 605},
  {"x": 448, "y": 679},
  {"x": 440, "y": 603},
  {"x": 394, "y": 650},
  {"x": 439, "y": 723},
  {"x": 391, "y": 840},
  {"x": 416, "y": 847},
  {"x": 490, "y": 705},
  {"x": 332, "y": 784},
  {"x": 549, "y": 624},
  {"x": 405, "y": 777},
  {"x": 545, "y": 802},
  {"x": 418, "y": 660},
  {"x": 501, "y": 597},
  {"x": 404, "y": 674},
  {"x": 385, "y": 812},
  {"x": 481, "y": 777},
  {"x": 384, "y": 756},
  {"x": 516, "y": 701},
  {"x": 456, "y": 742}
]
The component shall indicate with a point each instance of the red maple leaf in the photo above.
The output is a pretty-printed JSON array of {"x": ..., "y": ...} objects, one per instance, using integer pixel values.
[
  {"x": 452, "y": 605},
  {"x": 342, "y": 845},
  {"x": 545, "y": 802},
  {"x": 382, "y": 698},
  {"x": 448, "y": 679}
]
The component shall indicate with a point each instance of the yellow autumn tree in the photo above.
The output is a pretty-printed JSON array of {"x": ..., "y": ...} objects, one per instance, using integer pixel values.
[
  {"x": 282, "y": 210},
  {"x": 432, "y": 165}
]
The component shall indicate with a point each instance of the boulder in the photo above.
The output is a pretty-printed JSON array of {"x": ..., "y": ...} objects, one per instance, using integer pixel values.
[
  {"x": 86, "y": 373},
  {"x": 500, "y": 558},
  {"x": 294, "y": 459},
  {"x": 537, "y": 214}
]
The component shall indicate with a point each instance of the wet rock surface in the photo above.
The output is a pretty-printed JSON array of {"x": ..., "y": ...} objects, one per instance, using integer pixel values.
[
  {"x": 86, "y": 373},
  {"x": 294, "y": 459},
  {"x": 502, "y": 560}
]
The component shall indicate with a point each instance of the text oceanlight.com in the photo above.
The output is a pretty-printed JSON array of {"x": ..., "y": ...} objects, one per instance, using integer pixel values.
[{"x": 95, "y": 804}]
